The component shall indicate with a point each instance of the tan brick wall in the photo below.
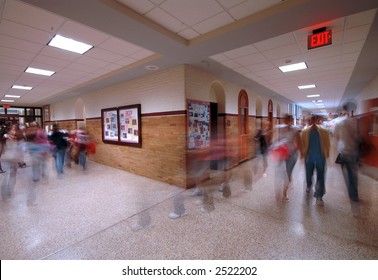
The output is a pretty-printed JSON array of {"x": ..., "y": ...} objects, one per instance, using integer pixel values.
[
  {"x": 66, "y": 125},
  {"x": 163, "y": 153}
]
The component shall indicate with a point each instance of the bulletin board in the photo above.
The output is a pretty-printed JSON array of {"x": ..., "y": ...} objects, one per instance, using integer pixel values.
[
  {"x": 122, "y": 125},
  {"x": 198, "y": 124}
]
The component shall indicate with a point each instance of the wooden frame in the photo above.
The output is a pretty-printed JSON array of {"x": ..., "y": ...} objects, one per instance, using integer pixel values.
[
  {"x": 109, "y": 120},
  {"x": 122, "y": 125},
  {"x": 130, "y": 129}
]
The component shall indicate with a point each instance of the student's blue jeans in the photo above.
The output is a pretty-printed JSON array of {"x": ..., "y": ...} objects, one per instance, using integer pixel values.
[
  {"x": 318, "y": 164},
  {"x": 349, "y": 166}
]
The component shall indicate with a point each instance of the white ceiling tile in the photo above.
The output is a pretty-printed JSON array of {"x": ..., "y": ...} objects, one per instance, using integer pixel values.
[
  {"x": 88, "y": 61},
  {"x": 104, "y": 55},
  {"x": 81, "y": 67},
  {"x": 242, "y": 70},
  {"x": 247, "y": 50},
  {"x": 113, "y": 67},
  {"x": 4, "y": 74},
  {"x": 192, "y": 12},
  {"x": 31, "y": 16},
  {"x": 19, "y": 44},
  {"x": 166, "y": 20},
  {"x": 275, "y": 42},
  {"x": 250, "y": 59},
  {"x": 323, "y": 52},
  {"x": 188, "y": 33},
  {"x": 122, "y": 62},
  {"x": 288, "y": 60},
  {"x": 355, "y": 46},
  {"x": 251, "y": 7},
  {"x": 261, "y": 66},
  {"x": 227, "y": 4},
  {"x": 141, "y": 54},
  {"x": 54, "y": 62},
  {"x": 212, "y": 23},
  {"x": 356, "y": 34},
  {"x": 350, "y": 57},
  {"x": 140, "y": 6},
  {"x": 24, "y": 32},
  {"x": 231, "y": 64},
  {"x": 283, "y": 51},
  {"x": 59, "y": 53},
  {"x": 71, "y": 72},
  {"x": 10, "y": 52},
  {"x": 6, "y": 60},
  {"x": 82, "y": 33},
  {"x": 362, "y": 18},
  {"x": 219, "y": 57},
  {"x": 119, "y": 47}
]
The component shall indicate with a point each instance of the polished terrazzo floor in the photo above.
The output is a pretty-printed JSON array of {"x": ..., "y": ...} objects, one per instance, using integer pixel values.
[{"x": 106, "y": 213}]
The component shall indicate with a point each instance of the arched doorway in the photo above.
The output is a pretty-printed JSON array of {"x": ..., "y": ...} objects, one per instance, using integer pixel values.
[{"x": 243, "y": 136}]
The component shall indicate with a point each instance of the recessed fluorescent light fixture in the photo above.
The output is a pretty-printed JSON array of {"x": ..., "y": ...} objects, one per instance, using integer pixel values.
[
  {"x": 21, "y": 87},
  {"x": 69, "y": 44},
  {"x": 319, "y": 104},
  {"x": 313, "y": 95},
  {"x": 7, "y": 100},
  {"x": 293, "y": 67},
  {"x": 39, "y": 71},
  {"x": 12, "y": 96},
  {"x": 307, "y": 86}
]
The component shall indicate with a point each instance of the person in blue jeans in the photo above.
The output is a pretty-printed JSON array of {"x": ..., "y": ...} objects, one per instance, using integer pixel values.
[
  {"x": 315, "y": 151},
  {"x": 347, "y": 137},
  {"x": 59, "y": 141}
]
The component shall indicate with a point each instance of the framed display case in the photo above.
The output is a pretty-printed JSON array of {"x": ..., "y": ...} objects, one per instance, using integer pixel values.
[
  {"x": 198, "y": 124},
  {"x": 109, "y": 119},
  {"x": 122, "y": 125},
  {"x": 129, "y": 125}
]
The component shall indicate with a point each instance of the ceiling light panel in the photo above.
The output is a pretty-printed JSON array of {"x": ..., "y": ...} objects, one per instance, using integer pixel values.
[
  {"x": 39, "y": 71},
  {"x": 307, "y": 86},
  {"x": 69, "y": 44},
  {"x": 12, "y": 96},
  {"x": 22, "y": 87},
  {"x": 293, "y": 67},
  {"x": 313, "y": 95}
]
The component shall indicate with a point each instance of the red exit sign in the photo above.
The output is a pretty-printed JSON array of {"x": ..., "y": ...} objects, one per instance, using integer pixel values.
[{"x": 319, "y": 39}]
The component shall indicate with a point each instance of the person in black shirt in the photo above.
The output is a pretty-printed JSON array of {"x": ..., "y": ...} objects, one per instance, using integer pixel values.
[{"x": 59, "y": 142}]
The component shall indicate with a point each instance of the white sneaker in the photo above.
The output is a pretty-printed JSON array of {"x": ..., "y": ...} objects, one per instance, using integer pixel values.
[
  {"x": 319, "y": 201},
  {"x": 174, "y": 215},
  {"x": 197, "y": 192}
]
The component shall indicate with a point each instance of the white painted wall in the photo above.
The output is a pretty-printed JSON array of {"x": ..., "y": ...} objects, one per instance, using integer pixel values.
[
  {"x": 157, "y": 92},
  {"x": 162, "y": 91}
]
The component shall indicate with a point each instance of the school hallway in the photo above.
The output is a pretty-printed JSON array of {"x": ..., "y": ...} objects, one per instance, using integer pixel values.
[{"x": 106, "y": 213}]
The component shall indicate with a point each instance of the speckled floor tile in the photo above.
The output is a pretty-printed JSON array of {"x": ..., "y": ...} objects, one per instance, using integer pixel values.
[{"x": 105, "y": 213}]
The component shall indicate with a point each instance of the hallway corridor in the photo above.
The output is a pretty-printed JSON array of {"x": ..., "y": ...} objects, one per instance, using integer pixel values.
[{"x": 105, "y": 213}]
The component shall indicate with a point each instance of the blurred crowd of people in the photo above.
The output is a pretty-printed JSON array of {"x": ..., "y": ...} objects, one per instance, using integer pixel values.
[
  {"x": 285, "y": 143},
  {"x": 39, "y": 145}
]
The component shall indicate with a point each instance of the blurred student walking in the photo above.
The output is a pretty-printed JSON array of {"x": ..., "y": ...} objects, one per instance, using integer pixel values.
[{"x": 315, "y": 151}]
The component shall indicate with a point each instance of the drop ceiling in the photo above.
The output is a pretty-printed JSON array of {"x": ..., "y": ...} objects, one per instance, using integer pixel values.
[{"x": 243, "y": 41}]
